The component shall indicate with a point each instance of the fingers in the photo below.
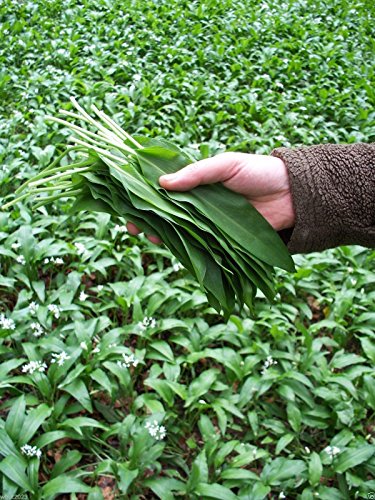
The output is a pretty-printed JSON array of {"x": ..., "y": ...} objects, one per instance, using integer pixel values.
[
  {"x": 216, "y": 169},
  {"x": 134, "y": 230}
]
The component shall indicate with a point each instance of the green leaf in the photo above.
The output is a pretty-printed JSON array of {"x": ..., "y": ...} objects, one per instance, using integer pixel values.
[
  {"x": 215, "y": 491},
  {"x": 78, "y": 391},
  {"x": 15, "y": 471},
  {"x": 64, "y": 484},
  {"x": 127, "y": 476},
  {"x": 352, "y": 457},
  {"x": 294, "y": 416},
  {"x": 33, "y": 421},
  {"x": 15, "y": 419},
  {"x": 315, "y": 469},
  {"x": 72, "y": 458}
]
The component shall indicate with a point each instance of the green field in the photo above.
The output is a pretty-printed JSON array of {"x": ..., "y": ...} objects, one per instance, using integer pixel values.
[{"x": 117, "y": 380}]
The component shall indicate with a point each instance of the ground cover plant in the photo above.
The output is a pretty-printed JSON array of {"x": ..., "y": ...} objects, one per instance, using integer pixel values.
[{"x": 117, "y": 379}]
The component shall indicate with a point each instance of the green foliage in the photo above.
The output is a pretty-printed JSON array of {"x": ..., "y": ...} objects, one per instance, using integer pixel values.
[{"x": 112, "y": 363}]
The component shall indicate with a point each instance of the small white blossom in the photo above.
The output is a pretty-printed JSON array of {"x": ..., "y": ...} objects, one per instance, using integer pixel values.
[
  {"x": 37, "y": 329},
  {"x": 121, "y": 229},
  {"x": 60, "y": 358},
  {"x": 58, "y": 260},
  {"x": 81, "y": 249},
  {"x": 31, "y": 451},
  {"x": 157, "y": 431},
  {"x": 54, "y": 310},
  {"x": 33, "y": 307},
  {"x": 177, "y": 267},
  {"x": 83, "y": 296},
  {"x": 332, "y": 451},
  {"x": 128, "y": 360},
  {"x": 96, "y": 349},
  {"x": 202, "y": 402},
  {"x": 137, "y": 77},
  {"x": 16, "y": 246},
  {"x": 46, "y": 260},
  {"x": 307, "y": 449},
  {"x": 147, "y": 322},
  {"x": 21, "y": 260},
  {"x": 34, "y": 366},
  {"x": 83, "y": 345},
  {"x": 6, "y": 323},
  {"x": 269, "y": 362},
  {"x": 282, "y": 495},
  {"x": 100, "y": 288}
]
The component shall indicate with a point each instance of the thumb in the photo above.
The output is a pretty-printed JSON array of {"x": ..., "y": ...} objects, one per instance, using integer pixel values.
[{"x": 216, "y": 169}]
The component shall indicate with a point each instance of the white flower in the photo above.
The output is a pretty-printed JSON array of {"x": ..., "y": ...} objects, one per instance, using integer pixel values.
[
  {"x": 60, "y": 358},
  {"x": 33, "y": 307},
  {"x": 31, "y": 451},
  {"x": 128, "y": 360},
  {"x": 21, "y": 260},
  {"x": 81, "y": 249},
  {"x": 269, "y": 362},
  {"x": 83, "y": 296},
  {"x": 282, "y": 495},
  {"x": 6, "y": 323},
  {"x": 137, "y": 77},
  {"x": 177, "y": 267},
  {"x": 332, "y": 451},
  {"x": 37, "y": 329},
  {"x": 147, "y": 322},
  {"x": 97, "y": 349},
  {"x": 100, "y": 288},
  {"x": 54, "y": 310},
  {"x": 46, "y": 260},
  {"x": 307, "y": 449},
  {"x": 16, "y": 246},
  {"x": 121, "y": 229},
  {"x": 59, "y": 261},
  {"x": 157, "y": 431},
  {"x": 202, "y": 402},
  {"x": 34, "y": 366},
  {"x": 83, "y": 345}
]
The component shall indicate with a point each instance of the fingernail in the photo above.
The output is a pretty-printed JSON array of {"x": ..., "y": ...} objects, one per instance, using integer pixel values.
[{"x": 168, "y": 177}]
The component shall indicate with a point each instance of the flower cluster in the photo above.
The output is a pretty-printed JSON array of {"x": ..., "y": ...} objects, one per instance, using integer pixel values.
[
  {"x": 21, "y": 260},
  {"x": 147, "y": 322},
  {"x": 34, "y": 366},
  {"x": 83, "y": 296},
  {"x": 269, "y": 362},
  {"x": 60, "y": 358},
  {"x": 332, "y": 451},
  {"x": 177, "y": 267},
  {"x": 128, "y": 360},
  {"x": 58, "y": 260},
  {"x": 157, "y": 431},
  {"x": 121, "y": 229},
  {"x": 80, "y": 247},
  {"x": 6, "y": 323},
  {"x": 31, "y": 451},
  {"x": 37, "y": 329},
  {"x": 54, "y": 310},
  {"x": 33, "y": 308}
]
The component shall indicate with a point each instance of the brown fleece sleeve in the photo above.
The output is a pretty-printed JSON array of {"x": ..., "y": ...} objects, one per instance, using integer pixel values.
[{"x": 333, "y": 191}]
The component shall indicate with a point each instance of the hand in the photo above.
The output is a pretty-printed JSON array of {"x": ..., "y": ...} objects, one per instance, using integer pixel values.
[{"x": 262, "y": 179}]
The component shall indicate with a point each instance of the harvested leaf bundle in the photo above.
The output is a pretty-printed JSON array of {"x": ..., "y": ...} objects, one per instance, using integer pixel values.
[{"x": 215, "y": 233}]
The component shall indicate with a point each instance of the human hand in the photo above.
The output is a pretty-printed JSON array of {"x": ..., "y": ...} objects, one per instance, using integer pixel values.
[{"x": 262, "y": 179}]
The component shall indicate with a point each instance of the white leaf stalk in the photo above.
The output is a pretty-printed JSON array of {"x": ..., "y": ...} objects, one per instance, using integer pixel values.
[{"x": 109, "y": 142}]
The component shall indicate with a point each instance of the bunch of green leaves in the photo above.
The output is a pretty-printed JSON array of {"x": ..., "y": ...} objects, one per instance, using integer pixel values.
[{"x": 215, "y": 233}]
